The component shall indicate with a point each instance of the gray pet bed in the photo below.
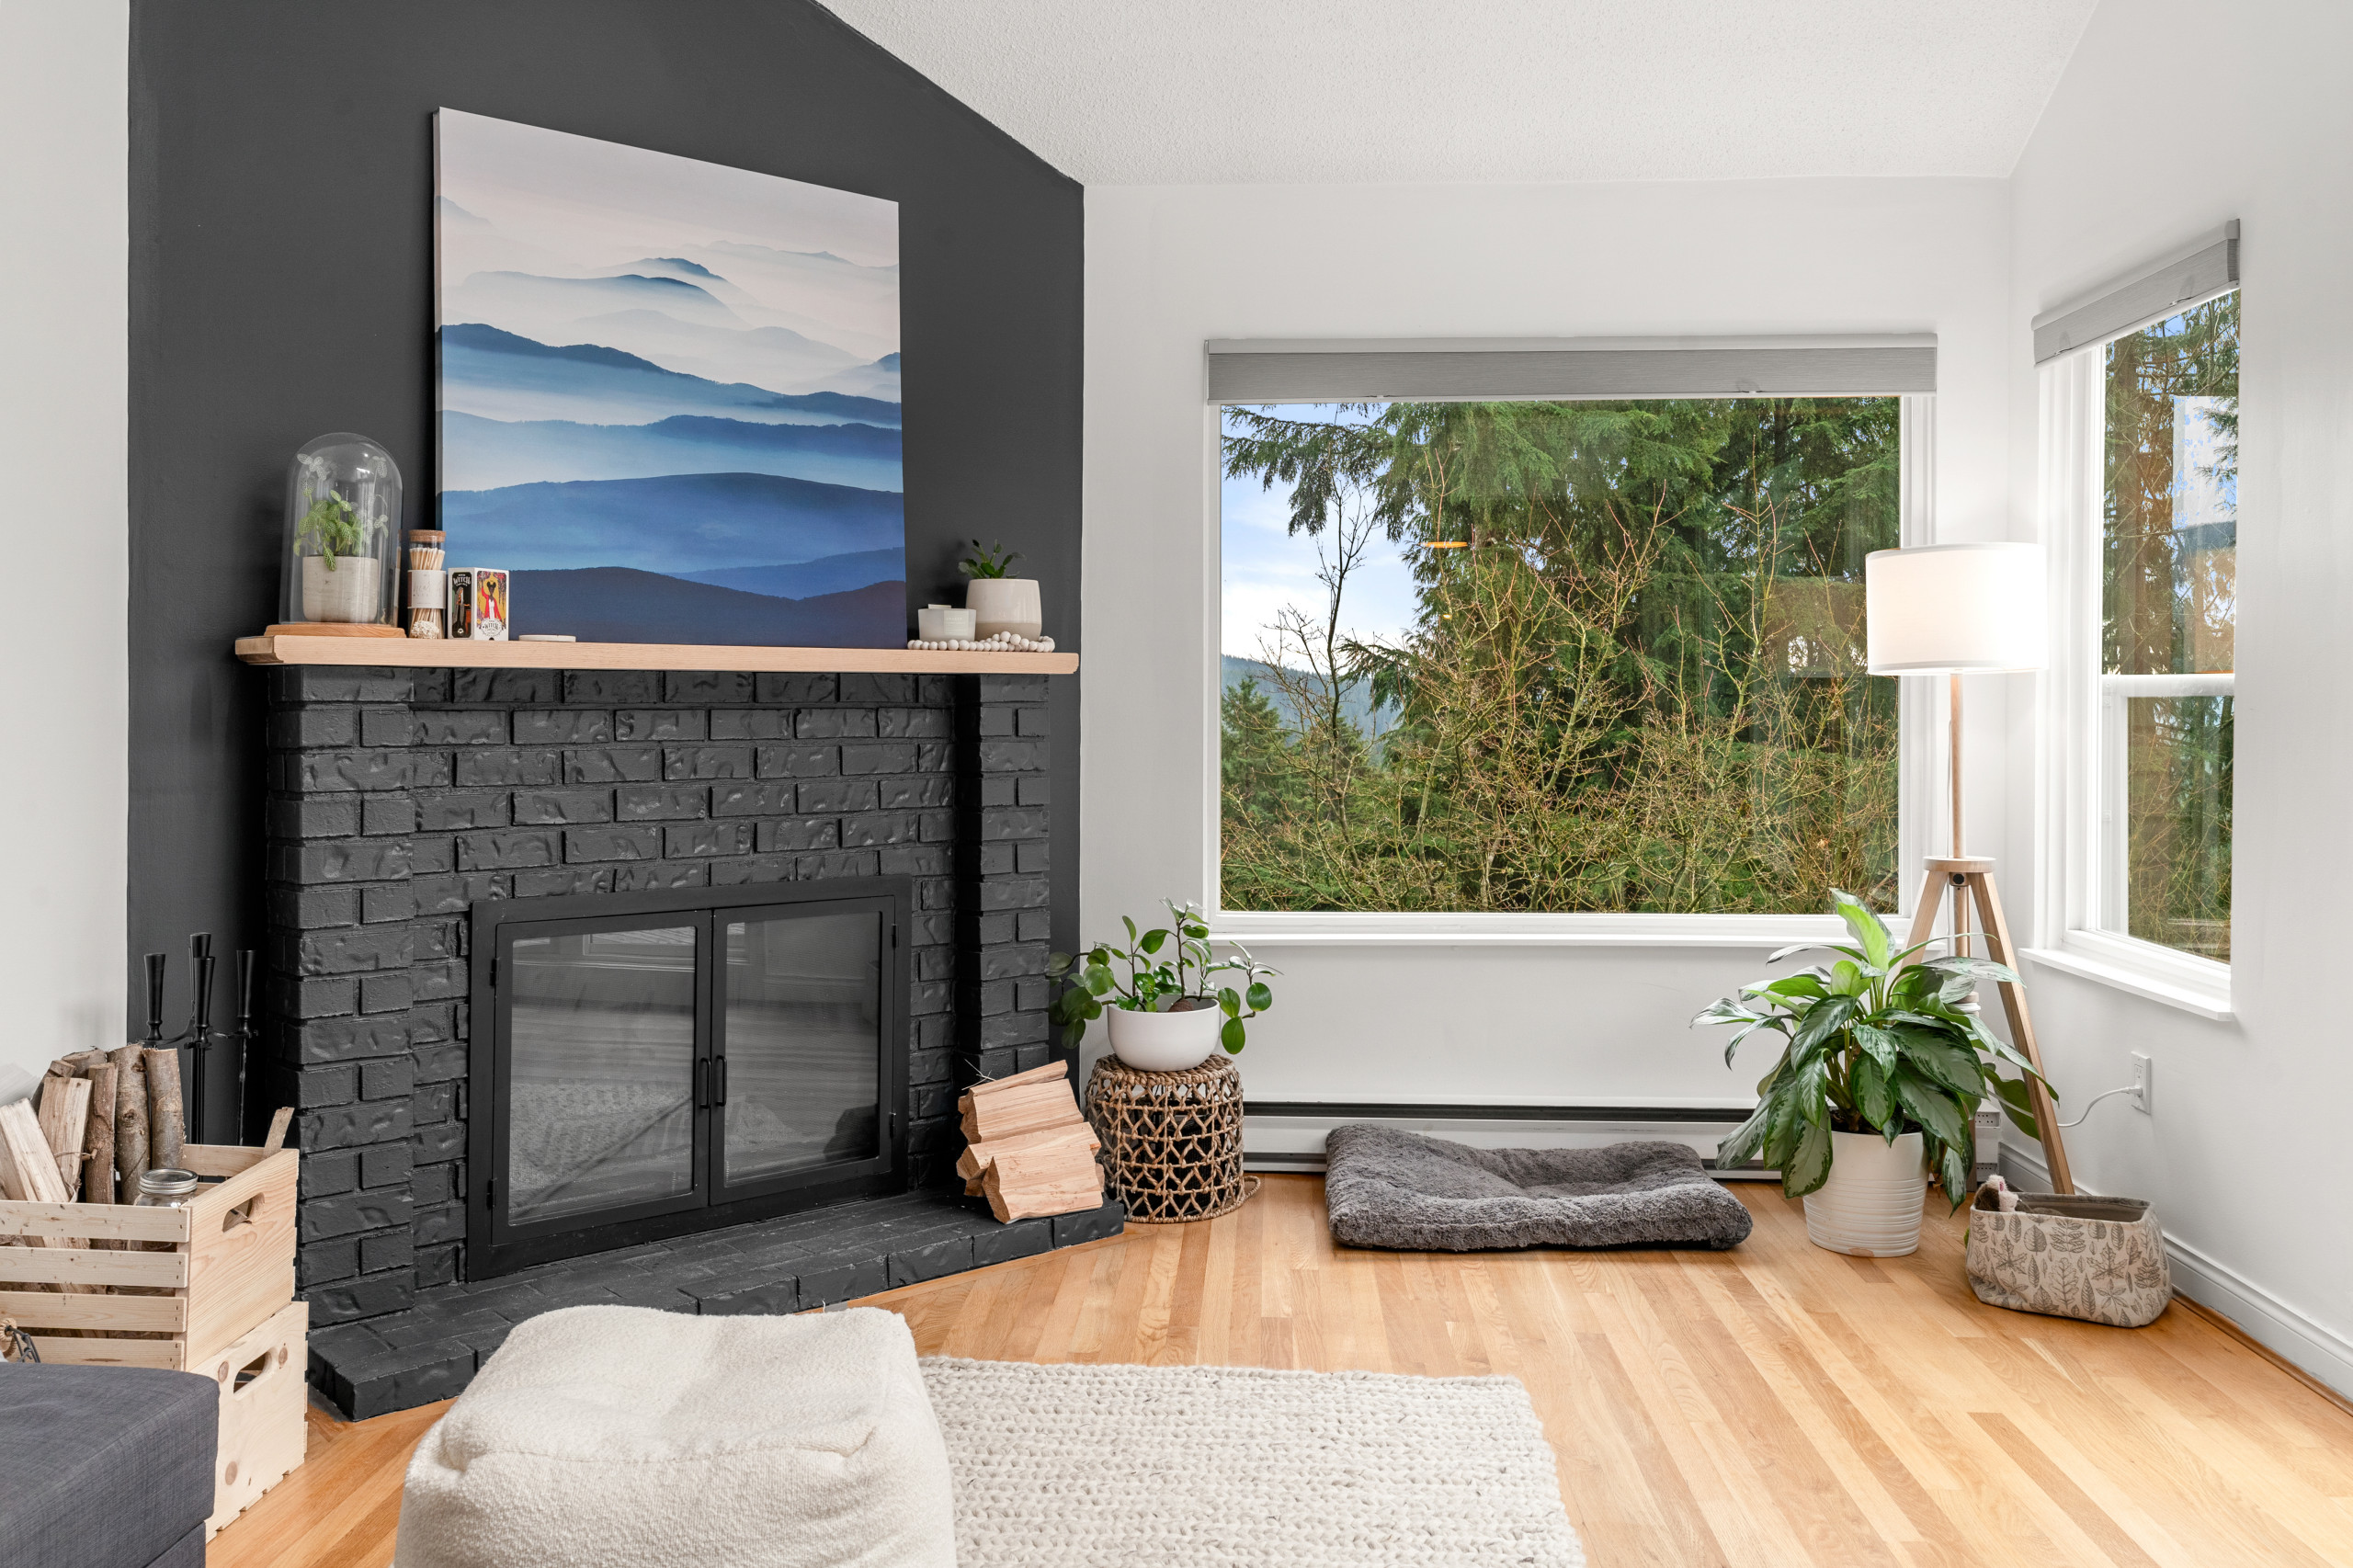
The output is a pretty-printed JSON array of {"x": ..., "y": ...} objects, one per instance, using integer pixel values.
[{"x": 1390, "y": 1189}]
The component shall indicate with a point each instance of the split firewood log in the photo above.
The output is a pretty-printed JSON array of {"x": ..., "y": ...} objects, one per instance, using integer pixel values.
[
  {"x": 1022, "y": 1108},
  {"x": 978, "y": 1157},
  {"x": 166, "y": 1116},
  {"x": 1061, "y": 1177},
  {"x": 129, "y": 1122},
  {"x": 29, "y": 1173},
  {"x": 64, "y": 1117},
  {"x": 98, "y": 1135}
]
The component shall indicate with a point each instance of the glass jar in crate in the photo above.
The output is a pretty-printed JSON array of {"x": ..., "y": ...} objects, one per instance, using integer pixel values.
[{"x": 343, "y": 519}]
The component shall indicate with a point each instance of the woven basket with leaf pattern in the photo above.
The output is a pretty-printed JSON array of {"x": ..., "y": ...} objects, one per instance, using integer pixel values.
[{"x": 2100, "y": 1259}]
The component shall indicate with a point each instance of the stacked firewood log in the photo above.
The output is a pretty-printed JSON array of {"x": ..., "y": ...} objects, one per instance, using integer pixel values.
[
  {"x": 1030, "y": 1153},
  {"x": 106, "y": 1116}
]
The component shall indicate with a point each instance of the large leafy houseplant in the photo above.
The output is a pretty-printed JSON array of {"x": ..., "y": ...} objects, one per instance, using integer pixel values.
[
  {"x": 1169, "y": 969},
  {"x": 1873, "y": 1042}
]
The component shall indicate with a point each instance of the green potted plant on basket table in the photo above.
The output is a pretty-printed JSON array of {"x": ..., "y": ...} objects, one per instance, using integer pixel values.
[
  {"x": 1169, "y": 1010},
  {"x": 1883, "y": 1065},
  {"x": 1000, "y": 603}
]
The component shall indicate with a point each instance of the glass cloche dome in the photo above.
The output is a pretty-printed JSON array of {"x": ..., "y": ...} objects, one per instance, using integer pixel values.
[{"x": 343, "y": 519}]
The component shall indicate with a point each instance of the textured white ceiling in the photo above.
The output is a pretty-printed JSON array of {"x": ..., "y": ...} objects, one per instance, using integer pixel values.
[{"x": 1211, "y": 92}]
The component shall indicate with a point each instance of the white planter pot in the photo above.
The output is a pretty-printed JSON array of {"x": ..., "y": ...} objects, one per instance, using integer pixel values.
[
  {"x": 1165, "y": 1042},
  {"x": 1871, "y": 1206},
  {"x": 1004, "y": 603},
  {"x": 352, "y": 592}
]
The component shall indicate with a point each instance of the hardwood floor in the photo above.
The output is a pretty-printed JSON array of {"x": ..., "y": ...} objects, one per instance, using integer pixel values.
[{"x": 1773, "y": 1405}]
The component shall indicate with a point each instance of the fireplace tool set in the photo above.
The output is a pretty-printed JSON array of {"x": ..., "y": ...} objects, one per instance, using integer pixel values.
[{"x": 200, "y": 1037}]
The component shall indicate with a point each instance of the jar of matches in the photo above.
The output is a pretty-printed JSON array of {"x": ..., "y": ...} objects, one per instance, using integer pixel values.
[{"x": 429, "y": 584}]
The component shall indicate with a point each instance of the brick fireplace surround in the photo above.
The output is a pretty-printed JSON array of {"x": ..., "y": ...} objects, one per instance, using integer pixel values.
[{"x": 397, "y": 797}]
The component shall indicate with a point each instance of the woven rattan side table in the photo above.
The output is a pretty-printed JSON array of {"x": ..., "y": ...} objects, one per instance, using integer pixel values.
[{"x": 1171, "y": 1141}]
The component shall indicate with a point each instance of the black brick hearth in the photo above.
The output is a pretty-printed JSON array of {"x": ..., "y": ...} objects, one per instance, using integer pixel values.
[
  {"x": 795, "y": 1264},
  {"x": 398, "y": 798}
]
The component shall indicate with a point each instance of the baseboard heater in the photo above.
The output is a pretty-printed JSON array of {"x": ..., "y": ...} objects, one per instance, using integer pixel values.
[{"x": 1288, "y": 1135}]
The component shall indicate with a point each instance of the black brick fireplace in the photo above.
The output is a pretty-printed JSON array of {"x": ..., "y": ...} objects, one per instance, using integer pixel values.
[{"x": 399, "y": 799}]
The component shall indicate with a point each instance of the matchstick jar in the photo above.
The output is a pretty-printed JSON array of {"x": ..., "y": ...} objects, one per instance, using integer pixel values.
[{"x": 429, "y": 584}]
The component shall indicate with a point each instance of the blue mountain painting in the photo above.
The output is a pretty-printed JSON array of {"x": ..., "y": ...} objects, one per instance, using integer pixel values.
[
  {"x": 597, "y": 604},
  {"x": 696, "y": 439},
  {"x": 630, "y": 522},
  {"x": 489, "y": 454},
  {"x": 802, "y": 579}
]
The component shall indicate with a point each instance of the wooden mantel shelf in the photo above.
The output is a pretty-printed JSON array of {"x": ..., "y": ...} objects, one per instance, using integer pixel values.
[{"x": 443, "y": 653}]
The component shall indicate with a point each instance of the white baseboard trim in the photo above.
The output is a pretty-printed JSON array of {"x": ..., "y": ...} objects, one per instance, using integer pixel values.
[
  {"x": 2292, "y": 1335},
  {"x": 1295, "y": 1142}
]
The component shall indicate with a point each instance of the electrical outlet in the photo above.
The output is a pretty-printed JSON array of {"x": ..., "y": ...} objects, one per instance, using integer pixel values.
[{"x": 2141, "y": 1083}]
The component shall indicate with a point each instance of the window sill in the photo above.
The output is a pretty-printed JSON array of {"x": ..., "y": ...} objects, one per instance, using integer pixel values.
[
  {"x": 1735, "y": 931},
  {"x": 2188, "y": 992}
]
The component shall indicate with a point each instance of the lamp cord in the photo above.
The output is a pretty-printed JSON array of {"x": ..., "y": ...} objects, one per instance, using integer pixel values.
[{"x": 2093, "y": 1101}]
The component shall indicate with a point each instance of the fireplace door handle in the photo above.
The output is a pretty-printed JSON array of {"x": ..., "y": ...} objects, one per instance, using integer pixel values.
[
  {"x": 719, "y": 1089},
  {"x": 702, "y": 1085}
]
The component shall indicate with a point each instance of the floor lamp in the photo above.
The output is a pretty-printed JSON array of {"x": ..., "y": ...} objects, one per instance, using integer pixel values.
[{"x": 1955, "y": 610}]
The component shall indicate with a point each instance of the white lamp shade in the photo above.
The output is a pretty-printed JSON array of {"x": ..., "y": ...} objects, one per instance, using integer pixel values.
[{"x": 1955, "y": 610}]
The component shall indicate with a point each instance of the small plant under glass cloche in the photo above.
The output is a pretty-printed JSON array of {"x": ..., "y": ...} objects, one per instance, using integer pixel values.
[{"x": 343, "y": 519}]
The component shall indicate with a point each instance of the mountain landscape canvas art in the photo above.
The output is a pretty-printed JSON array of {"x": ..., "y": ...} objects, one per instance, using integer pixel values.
[{"x": 669, "y": 393}]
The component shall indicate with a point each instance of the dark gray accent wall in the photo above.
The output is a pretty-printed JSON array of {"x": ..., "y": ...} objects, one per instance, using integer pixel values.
[{"x": 280, "y": 287}]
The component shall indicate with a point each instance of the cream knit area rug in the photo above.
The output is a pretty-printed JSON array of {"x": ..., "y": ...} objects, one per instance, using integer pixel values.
[{"x": 1202, "y": 1467}]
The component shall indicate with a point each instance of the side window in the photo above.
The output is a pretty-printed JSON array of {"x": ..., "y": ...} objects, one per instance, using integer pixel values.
[{"x": 2168, "y": 564}]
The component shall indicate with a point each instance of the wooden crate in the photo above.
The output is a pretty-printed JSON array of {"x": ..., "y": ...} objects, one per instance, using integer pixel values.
[
  {"x": 210, "y": 1290},
  {"x": 263, "y": 1396},
  {"x": 205, "y": 1275}
]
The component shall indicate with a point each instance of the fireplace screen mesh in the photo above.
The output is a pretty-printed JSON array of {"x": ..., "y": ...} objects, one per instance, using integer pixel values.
[
  {"x": 603, "y": 1040},
  {"x": 804, "y": 1020}
]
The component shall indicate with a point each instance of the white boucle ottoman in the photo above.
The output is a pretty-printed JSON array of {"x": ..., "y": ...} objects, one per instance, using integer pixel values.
[{"x": 627, "y": 1437}]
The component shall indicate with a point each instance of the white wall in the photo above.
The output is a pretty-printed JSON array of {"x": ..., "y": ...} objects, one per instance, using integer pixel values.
[
  {"x": 2170, "y": 119},
  {"x": 1169, "y": 268},
  {"x": 64, "y": 215}
]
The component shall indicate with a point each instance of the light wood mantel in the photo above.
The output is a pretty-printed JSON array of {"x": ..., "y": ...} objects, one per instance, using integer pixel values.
[{"x": 459, "y": 653}]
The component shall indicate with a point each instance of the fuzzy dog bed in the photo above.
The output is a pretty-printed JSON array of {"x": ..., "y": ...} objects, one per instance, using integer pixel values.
[{"x": 1391, "y": 1189}]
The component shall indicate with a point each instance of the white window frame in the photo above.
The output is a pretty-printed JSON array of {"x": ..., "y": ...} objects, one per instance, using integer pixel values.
[
  {"x": 1920, "y": 770},
  {"x": 2080, "y": 721}
]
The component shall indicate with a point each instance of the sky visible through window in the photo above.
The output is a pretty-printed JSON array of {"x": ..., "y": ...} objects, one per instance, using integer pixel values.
[{"x": 1267, "y": 569}]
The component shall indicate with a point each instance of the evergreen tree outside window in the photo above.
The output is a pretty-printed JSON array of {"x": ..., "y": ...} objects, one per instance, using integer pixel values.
[
  {"x": 1529, "y": 657},
  {"x": 2168, "y": 619}
]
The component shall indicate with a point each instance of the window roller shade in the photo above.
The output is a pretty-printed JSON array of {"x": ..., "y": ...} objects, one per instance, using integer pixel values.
[
  {"x": 1253, "y": 372},
  {"x": 2211, "y": 269}
]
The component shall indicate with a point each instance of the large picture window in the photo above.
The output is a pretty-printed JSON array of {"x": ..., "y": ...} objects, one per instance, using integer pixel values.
[{"x": 1533, "y": 657}]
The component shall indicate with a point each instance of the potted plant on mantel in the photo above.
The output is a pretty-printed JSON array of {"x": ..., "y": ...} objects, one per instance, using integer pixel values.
[
  {"x": 1883, "y": 1065},
  {"x": 999, "y": 603},
  {"x": 1167, "y": 1012}
]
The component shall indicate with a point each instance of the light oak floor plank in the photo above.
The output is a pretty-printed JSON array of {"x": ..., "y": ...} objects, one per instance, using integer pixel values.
[{"x": 1775, "y": 1405}]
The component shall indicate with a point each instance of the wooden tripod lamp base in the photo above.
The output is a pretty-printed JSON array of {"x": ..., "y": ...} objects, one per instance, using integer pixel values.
[{"x": 1970, "y": 880}]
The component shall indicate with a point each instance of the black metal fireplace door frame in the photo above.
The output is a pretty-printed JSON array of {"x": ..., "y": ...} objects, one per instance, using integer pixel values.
[{"x": 495, "y": 1245}]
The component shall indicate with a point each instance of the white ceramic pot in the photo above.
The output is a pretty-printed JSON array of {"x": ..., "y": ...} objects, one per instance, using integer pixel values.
[
  {"x": 1871, "y": 1206},
  {"x": 1165, "y": 1042},
  {"x": 1004, "y": 603},
  {"x": 349, "y": 592},
  {"x": 944, "y": 623}
]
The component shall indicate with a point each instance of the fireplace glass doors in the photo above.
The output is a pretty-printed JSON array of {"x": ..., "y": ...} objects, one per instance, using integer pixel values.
[
  {"x": 601, "y": 1034},
  {"x": 661, "y": 1063}
]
